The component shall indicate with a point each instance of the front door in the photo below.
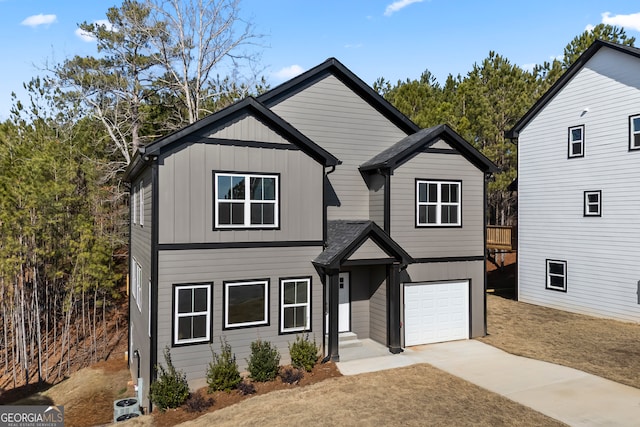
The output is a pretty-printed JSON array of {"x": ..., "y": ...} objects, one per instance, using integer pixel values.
[{"x": 344, "y": 305}]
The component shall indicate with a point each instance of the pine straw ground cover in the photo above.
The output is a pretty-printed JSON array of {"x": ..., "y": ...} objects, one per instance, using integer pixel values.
[{"x": 607, "y": 348}]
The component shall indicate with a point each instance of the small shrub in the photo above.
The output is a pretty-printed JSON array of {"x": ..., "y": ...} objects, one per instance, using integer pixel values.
[
  {"x": 223, "y": 371},
  {"x": 246, "y": 388},
  {"x": 197, "y": 403},
  {"x": 264, "y": 361},
  {"x": 304, "y": 353},
  {"x": 291, "y": 375},
  {"x": 171, "y": 389}
]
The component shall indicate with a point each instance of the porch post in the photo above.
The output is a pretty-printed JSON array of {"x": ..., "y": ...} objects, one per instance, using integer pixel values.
[
  {"x": 394, "y": 309},
  {"x": 334, "y": 286}
]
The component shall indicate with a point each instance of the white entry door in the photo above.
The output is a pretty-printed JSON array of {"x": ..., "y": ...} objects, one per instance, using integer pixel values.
[{"x": 344, "y": 305}]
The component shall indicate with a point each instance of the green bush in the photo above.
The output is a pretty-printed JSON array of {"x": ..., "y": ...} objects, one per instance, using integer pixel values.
[
  {"x": 171, "y": 389},
  {"x": 223, "y": 371},
  {"x": 304, "y": 353},
  {"x": 264, "y": 361}
]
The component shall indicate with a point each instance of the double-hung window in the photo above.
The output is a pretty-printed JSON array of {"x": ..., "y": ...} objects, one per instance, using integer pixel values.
[
  {"x": 136, "y": 283},
  {"x": 593, "y": 203},
  {"x": 246, "y": 303},
  {"x": 438, "y": 203},
  {"x": 295, "y": 305},
  {"x": 246, "y": 200},
  {"x": 141, "y": 194},
  {"x": 634, "y": 132},
  {"x": 556, "y": 275},
  {"x": 192, "y": 313},
  {"x": 134, "y": 205},
  {"x": 576, "y": 141}
]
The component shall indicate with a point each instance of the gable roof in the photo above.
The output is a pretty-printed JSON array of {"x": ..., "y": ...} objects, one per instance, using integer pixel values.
[
  {"x": 248, "y": 106},
  {"x": 334, "y": 67},
  {"x": 344, "y": 237},
  {"x": 564, "y": 79},
  {"x": 408, "y": 147}
]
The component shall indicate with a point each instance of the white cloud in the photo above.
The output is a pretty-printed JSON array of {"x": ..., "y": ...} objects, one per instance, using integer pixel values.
[
  {"x": 589, "y": 27},
  {"x": 287, "y": 73},
  {"x": 88, "y": 37},
  {"x": 37, "y": 20},
  {"x": 399, "y": 4},
  {"x": 629, "y": 22},
  {"x": 353, "y": 45}
]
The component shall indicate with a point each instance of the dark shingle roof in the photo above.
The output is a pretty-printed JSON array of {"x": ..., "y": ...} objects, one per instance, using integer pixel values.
[
  {"x": 411, "y": 145},
  {"x": 345, "y": 236}
]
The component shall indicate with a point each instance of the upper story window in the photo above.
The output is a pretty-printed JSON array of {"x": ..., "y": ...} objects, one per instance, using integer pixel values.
[
  {"x": 141, "y": 195},
  {"x": 556, "y": 275},
  {"x": 136, "y": 283},
  {"x": 576, "y": 141},
  {"x": 634, "y": 132},
  {"x": 134, "y": 205},
  {"x": 246, "y": 201},
  {"x": 593, "y": 203},
  {"x": 438, "y": 203}
]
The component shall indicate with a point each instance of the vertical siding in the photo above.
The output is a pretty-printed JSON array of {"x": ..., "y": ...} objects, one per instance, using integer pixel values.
[
  {"x": 369, "y": 250},
  {"x": 445, "y": 271},
  {"x": 249, "y": 129},
  {"x": 141, "y": 252},
  {"x": 341, "y": 122},
  {"x": 217, "y": 266},
  {"x": 427, "y": 242},
  {"x": 186, "y": 193},
  {"x": 601, "y": 253}
]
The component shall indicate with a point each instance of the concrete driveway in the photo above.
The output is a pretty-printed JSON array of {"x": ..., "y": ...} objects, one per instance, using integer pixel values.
[{"x": 568, "y": 395}]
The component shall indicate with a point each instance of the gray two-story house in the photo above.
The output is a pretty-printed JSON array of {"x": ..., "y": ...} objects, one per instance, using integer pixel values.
[{"x": 316, "y": 207}]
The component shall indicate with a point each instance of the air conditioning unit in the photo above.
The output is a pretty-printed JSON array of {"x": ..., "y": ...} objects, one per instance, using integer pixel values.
[
  {"x": 128, "y": 416},
  {"x": 122, "y": 407}
]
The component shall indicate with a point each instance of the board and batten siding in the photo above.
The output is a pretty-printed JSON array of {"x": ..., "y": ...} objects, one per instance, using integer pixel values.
[
  {"x": 186, "y": 193},
  {"x": 601, "y": 252},
  {"x": 474, "y": 271},
  {"x": 337, "y": 119},
  {"x": 249, "y": 128},
  {"x": 141, "y": 253},
  {"x": 217, "y": 266},
  {"x": 429, "y": 242}
]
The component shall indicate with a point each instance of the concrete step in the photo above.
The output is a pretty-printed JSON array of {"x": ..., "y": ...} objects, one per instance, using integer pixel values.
[{"x": 348, "y": 339}]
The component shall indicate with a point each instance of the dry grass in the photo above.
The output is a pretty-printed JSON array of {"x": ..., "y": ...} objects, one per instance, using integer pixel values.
[
  {"x": 607, "y": 348},
  {"x": 413, "y": 396}
]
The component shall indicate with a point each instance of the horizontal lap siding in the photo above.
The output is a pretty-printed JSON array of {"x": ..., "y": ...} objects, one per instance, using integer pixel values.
[
  {"x": 428, "y": 242},
  {"x": 186, "y": 193},
  {"x": 217, "y": 266},
  {"x": 378, "y": 305},
  {"x": 474, "y": 271},
  {"x": 601, "y": 253},
  {"x": 341, "y": 122},
  {"x": 141, "y": 252}
]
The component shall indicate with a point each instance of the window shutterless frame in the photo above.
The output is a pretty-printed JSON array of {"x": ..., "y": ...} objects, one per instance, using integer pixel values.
[
  {"x": 634, "y": 132},
  {"x": 593, "y": 203},
  {"x": 438, "y": 203},
  {"x": 556, "y": 275},
  {"x": 191, "y": 313},
  {"x": 141, "y": 194},
  {"x": 246, "y": 200},
  {"x": 295, "y": 305},
  {"x": 576, "y": 141},
  {"x": 246, "y": 303}
]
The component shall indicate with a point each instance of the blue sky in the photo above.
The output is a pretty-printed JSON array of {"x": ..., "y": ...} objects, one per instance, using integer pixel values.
[{"x": 373, "y": 38}]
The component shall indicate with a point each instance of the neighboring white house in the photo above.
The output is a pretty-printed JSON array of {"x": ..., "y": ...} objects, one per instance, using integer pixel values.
[{"x": 579, "y": 188}]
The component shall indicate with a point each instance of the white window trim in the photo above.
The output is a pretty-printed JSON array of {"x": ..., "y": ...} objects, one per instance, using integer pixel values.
[
  {"x": 177, "y": 315},
  {"x": 307, "y": 304},
  {"x": 632, "y": 132},
  {"x": 549, "y": 275},
  {"x": 571, "y": 142},
  {"x": 228, "y": 285},
  {"x": 587, "y": 204},
  {"x": 136, "y": 280},
  {"x": 134, "y": 205},
  {"x": 438, "y": 204},
  {"x": 141, "y": 194},
  {"x": 247, "y": 201}
]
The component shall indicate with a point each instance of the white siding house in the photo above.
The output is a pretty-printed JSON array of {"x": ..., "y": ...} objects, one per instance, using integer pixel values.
[{"x": 578, "y": 193}]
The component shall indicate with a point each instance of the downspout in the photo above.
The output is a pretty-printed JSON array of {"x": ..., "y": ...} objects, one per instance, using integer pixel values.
[
  {"x": 323, "y": 273},
  {"x": 153, "y": 353}
]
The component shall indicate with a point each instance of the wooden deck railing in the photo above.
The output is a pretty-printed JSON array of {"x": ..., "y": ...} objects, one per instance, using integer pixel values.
[{"x": 503, "y": 238}]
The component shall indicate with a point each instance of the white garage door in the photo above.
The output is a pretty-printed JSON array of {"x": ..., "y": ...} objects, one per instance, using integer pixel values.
[{"x": 436, "y": 312}]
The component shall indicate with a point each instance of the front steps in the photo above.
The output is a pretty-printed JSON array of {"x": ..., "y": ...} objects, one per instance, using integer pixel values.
[{"x": 348, "y": 339}]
